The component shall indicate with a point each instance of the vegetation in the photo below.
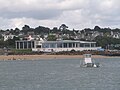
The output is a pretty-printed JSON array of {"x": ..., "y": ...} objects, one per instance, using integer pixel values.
[
  {"x": 23, "y": 52},
  {"x": 62, "y": 31},
  {"x": 51, "y": 38},
  {"x": 10, "y": 43},
  {"x": 106, "y": 42}
]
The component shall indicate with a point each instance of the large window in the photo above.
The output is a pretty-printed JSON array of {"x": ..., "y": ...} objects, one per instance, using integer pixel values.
[
  {"x": 59, "y": 45},
  {"x": 86, "y": 44},
  {"x": 93, "y": 45},
  {"x": 77, "y": 44},
  {"x": 52, "y": 45},
  {"x": 21, "y": 45},
  {"x": 73, "y": 44},
  {"x": 33, "y": 44},
  {"x": 25, "y": 44},
  {"x": 29, "y": 44},
  {"x": 81, "y": 44},
  {"x": 45, "y": 45},
  {"x": 38, "y": 46},
  {"x": 65, "y": 45},
  {"x": 70, "y": 44},
  {"x": 17, "y": 45}
]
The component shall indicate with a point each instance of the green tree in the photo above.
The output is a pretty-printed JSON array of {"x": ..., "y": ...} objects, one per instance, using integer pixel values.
[
  {"x": 63, "y": 27},
  {"x": 105, "y": 41},
  {"x": 11, "y": 42},
  {"x": 51, "y": 38}
]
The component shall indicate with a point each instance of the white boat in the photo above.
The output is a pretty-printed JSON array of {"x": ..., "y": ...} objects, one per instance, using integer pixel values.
[{"x": 88, "y": 62}]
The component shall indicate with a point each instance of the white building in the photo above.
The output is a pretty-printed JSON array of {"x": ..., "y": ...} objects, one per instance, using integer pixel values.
[
  {"x": 56, "y": 46},
  {"x": 6, "y": 37}
]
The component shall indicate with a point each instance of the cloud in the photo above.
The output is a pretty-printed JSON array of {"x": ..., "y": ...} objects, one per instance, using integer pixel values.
[{"x": 75, "y": 13}]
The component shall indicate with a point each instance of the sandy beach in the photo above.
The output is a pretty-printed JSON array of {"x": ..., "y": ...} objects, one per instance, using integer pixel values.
[{"x": 47, "y": 57}]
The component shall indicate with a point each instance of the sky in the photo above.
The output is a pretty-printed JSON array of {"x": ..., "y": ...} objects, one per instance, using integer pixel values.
[{"x": 77, "y": 14}]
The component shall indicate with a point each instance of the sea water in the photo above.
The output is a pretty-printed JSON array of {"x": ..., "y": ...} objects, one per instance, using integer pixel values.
[{"x": 59, "y": 74}]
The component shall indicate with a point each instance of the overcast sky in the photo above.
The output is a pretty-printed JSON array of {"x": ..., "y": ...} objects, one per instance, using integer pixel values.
[{"x": 78, "y": 14}]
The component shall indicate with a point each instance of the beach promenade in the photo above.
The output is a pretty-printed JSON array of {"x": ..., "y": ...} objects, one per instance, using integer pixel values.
[{"x": 47, "y": 57}]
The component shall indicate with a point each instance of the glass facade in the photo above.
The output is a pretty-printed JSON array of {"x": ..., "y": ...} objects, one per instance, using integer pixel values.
[
  {"x": 17, "y": 45},
  {"x": 93, "y": 45},
  {"x": 70, "y": 45},
  {"x": 21, "y": 45},
  {"x": 25, "y": 44},
  {"x": 67, "y": 45},
  {"x": 29, "y": 44},
  {"x": 52, "y": 45},
  {"x": 64, "y": 45},
  {"x": 59, "y": 45},
  {"x": 33, "y": 45},
  {"x": 47, "y": 44}
]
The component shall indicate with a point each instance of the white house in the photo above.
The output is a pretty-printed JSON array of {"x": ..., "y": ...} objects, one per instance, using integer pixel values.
[{"x": 6, "y": 37}]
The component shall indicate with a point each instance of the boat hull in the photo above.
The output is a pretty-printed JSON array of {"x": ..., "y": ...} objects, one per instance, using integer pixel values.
[{"x": 95, "y": 65}]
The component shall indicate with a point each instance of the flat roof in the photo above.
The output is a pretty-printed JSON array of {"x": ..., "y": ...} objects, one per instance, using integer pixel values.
[
  {"x": 60, "y": 41},
  {"x": 67, "y": 41}
]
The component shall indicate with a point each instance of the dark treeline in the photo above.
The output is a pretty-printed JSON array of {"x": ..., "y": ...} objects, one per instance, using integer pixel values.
[{"x": 63, "y": 29}]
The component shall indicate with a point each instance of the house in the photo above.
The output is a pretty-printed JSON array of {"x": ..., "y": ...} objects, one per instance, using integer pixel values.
[
  {"x": 116, "y": 35},
  {"x": 9, "y": 36}
]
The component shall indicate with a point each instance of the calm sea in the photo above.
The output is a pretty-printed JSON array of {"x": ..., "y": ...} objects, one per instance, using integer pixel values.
[{"x": 59, "y": 75}]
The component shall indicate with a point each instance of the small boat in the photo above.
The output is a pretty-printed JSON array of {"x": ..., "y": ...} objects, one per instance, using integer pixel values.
[{"x": 88, "y": 62}]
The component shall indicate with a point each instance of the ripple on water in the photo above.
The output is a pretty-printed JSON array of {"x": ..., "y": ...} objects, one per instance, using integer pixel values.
[{"x": 59, "y": 75}]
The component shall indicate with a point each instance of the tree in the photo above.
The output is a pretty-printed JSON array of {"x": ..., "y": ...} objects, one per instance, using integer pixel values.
[
  {"x": 51, "y": 38},
  {"x": 11, "y": 42},
  {"x": 97, "y": 28},
  {"x": 105, "y": 41},
  {"x": 63, "y": 27},
  {"x": 25, "y": 27},
  {"x": 16, "y": 31}
]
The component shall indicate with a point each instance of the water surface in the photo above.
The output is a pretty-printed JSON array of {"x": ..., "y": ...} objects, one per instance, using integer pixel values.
[{"x": 65, "y": 74}]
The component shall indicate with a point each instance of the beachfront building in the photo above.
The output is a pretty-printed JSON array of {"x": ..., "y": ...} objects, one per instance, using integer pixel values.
[
  {"x": 25, "y": 44},
  {"x": 56, "y": 46}
]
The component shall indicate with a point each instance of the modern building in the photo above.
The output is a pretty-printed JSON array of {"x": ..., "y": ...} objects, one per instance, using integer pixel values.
[
  {"x": 56, "y": 46},
  {"x": 25, "y": 44}
]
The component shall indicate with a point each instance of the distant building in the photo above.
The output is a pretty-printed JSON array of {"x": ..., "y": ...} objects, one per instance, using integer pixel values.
[
  {"x": 116, "y": 35},
  {"x": 6, "y": 37},
  {"x": 56, "y": 46}
]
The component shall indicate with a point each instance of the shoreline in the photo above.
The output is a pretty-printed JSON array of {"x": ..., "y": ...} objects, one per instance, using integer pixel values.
[{"x": 48, "y": 57}]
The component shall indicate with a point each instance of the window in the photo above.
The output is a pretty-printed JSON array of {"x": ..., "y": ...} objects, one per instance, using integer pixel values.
[
  {"x": 33, "y": 44},
  {"x": 65, "y": 45},
  {"x": 73, "y": 44},
  {"x": 70, "y": 44},
  {"x": 45, "y": 45},
  {"x": 59, "y": 45},
  {"x": 86, "y": 44},
  {"x": 29, "y": 44},
  {"x": 38, "y": 46},
  {"x": 21, "y": 45},
  {"x": 93, "y": 44},
  {"x": 17, "y": 45},
  {"x": 52, "y": 45},
  {"x": 25, "y": 44},
  {"x": 81, "y": 44}
]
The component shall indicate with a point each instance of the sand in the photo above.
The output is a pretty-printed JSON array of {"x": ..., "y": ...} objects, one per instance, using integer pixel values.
[{"x": 46, "y": 57}]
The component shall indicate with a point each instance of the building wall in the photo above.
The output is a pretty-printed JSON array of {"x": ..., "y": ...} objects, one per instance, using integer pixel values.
[
  {"x": 56, "y": 46},
  {"x": 64, "y": 49}
]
